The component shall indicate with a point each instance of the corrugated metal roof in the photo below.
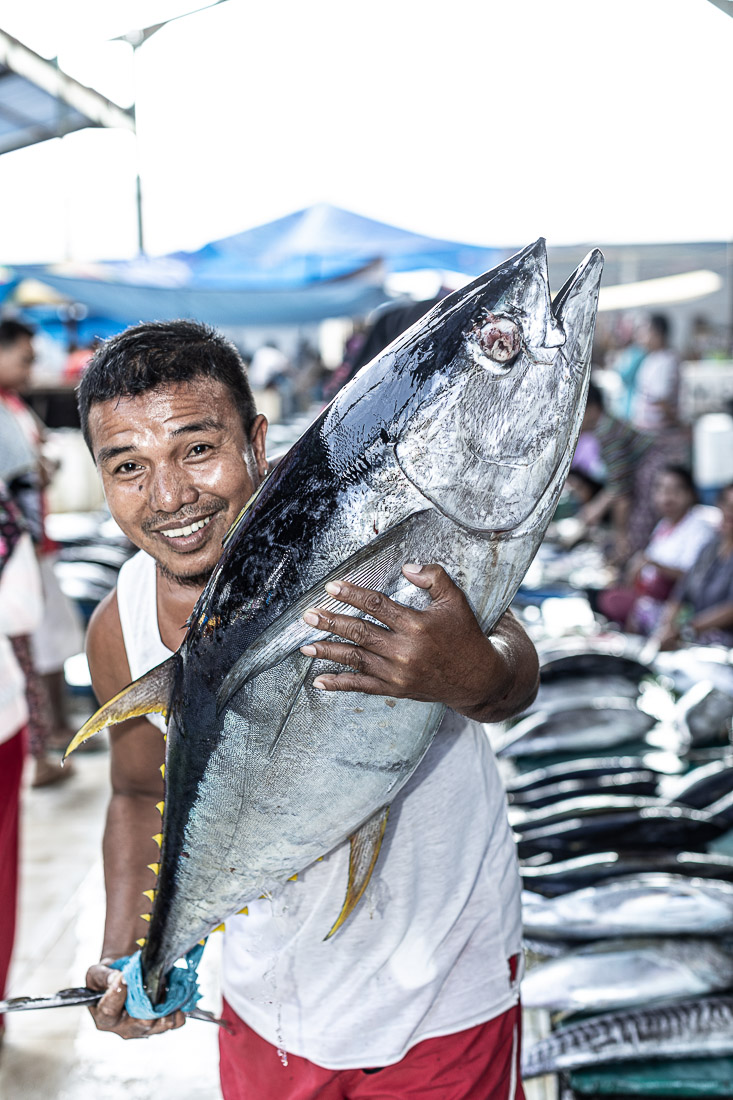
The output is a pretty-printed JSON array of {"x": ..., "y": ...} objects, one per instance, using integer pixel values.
[{"x": 39, "y": 101}]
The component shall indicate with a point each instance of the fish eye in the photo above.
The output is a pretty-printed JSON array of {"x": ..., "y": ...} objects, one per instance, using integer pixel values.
[{"x": 495, "y": 343}]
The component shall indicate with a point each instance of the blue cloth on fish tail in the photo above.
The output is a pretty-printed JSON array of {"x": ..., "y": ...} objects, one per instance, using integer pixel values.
[{"x": 183, "y": 990}]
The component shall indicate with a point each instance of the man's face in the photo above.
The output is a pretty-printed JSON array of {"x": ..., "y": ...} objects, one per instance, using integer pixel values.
[
  {"x": 15, "y": 364},
  {"x": 177, "y": 468}
]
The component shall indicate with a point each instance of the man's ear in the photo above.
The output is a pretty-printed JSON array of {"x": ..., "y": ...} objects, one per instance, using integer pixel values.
[{"x": 257, "y": 437}]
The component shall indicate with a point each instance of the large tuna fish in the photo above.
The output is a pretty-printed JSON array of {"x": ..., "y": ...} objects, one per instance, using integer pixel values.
[{"x": 451, "y": 446}]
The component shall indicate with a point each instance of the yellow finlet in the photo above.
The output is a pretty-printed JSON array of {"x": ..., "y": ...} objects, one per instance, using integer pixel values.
[
  {"x": 145, "y": 916},
  {"x": 141, "y": 943},
  {"x": 243, "y": 912},
  {"x": 293, "y": 878},
  {"x": 154, "y": 867},
  {"x": 160, "y": 806},
  {"x": 149, "y": 894},
  {"x": 162, "y": 770},
  {"x": 365, "y": 845},
  {"x": 158, "y": 838},
  {"x": 150, "y": 694},
  {"x": 219, "y": 928},
  {"x": 202, "y": 943}
]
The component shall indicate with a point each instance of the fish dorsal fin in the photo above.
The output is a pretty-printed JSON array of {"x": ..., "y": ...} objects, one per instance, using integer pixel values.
[
  {"x": 150, "y": 694},
  {"x": 376, "y": 565},
  {"x": 365, "y": 845}
]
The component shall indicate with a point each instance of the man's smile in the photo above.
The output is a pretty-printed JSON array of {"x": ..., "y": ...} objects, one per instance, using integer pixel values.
[{"x": 183, "y": 532}]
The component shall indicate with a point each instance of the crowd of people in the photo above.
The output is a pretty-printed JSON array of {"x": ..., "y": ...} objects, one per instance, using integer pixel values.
[{"x": 633, "y": 483}]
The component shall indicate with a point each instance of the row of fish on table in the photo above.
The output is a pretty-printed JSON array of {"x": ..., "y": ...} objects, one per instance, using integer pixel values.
[{"x": 620, "y": 789}]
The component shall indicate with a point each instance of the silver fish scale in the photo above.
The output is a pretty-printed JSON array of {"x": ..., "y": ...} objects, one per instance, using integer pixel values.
[{"x": 694, "y": 1028}]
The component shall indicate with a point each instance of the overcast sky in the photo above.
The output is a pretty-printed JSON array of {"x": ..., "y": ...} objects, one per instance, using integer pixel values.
[{"x": 489, "y": 121}]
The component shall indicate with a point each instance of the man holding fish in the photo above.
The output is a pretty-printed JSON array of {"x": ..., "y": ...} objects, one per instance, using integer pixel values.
[
  {"x": 180, "y": 452},
  {"x": 307, "y": 700}
]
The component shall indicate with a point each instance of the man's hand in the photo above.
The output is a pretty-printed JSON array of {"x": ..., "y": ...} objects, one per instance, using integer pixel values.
[
  {"x": 109, "y": 1013},
  {"x": 439, "y": 654}
]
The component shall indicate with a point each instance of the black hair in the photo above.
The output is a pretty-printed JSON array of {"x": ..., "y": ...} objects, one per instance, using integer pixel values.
[
  {"x": 683, "y": 474},
  {"x": 660, "y": 324},
  {"x": 595, "y": 397},
  {"x": 159, "y": 353},
  {"x": 12, "y": 331}
]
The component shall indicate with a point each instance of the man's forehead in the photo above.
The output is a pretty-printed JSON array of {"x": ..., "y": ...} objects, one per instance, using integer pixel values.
[{"x": 160, "y": 410}]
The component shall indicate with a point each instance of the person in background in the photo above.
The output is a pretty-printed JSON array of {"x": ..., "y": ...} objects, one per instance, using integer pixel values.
[
  {"x": 701, "y": 607},
  {"x": 632, "y": 460},
  {"x": 20, "y": 613},
  {"x": 654, "y": 407},
  {"x": 684, "y": 528},
  {"x": 626, "y": 363},
  {"x": 26, "y": 474}
]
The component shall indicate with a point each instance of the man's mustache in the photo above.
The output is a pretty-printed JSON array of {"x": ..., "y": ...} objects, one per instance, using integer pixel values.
[{"x": 163, "y": 521}]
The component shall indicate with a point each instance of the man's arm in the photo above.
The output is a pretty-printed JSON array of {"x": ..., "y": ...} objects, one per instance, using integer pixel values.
[
  {"x": 439, "y": 654},
  {"x": 137, "y": 752}
]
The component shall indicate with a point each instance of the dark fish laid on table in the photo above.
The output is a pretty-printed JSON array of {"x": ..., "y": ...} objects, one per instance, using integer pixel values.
[
  {"x": 599, "y": 657},
  {"x": 602, "y": 724},
  {"x": 673, "y": 827},
  {"x": 699, "y": 1028},
  {"x": 593, "y": 767},
  {"x": 542, "y": 876},
  {"x": 701, "y": 786},
  {"x": 523, "y": 819},
  {"x": 556, "y": 693},
  {"x": 642, "y": 782},
  {"x": 451, "y": 446}
]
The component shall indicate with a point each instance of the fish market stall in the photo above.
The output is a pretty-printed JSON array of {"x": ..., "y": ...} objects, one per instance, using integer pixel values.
[{"x": 620, "y": 787}]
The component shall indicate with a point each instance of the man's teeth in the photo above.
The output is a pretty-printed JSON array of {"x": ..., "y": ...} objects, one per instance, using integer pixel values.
[{"x": 182, "y": 532}]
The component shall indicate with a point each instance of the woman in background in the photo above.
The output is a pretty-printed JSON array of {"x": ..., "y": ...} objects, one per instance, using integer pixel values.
[
  {"x": 20, "y": 613},
  {"x": 701, "y": 607},
  {"x": 683, "y": 529}
]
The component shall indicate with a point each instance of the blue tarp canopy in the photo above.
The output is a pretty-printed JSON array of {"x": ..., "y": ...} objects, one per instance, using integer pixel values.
[
  {"x": 325, "y": 242},
  {"x": 317, "y": 263}
]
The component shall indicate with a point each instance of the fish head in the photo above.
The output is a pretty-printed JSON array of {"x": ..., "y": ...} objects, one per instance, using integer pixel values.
[{"x": 499, "y": 415}]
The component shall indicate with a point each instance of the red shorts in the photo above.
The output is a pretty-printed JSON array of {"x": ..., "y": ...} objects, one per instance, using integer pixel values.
[{"x": 481, "y": 1063}]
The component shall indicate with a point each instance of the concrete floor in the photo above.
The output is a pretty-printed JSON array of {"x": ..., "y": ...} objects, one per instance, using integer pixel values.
[{"x": 58, "y": 1054}]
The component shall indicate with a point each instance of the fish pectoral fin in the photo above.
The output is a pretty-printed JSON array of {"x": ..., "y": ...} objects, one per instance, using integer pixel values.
[
  {"x": 150, "y": 694},
  {"x": 377, "y": 565},
  {"x": 365, "y": 845}
]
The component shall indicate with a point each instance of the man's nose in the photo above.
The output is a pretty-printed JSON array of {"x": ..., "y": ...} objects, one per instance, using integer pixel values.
[{"x": 171, "y": 489}]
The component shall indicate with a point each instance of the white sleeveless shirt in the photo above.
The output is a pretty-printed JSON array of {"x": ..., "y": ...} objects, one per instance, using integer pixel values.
[{"x": 427, "y": 951}]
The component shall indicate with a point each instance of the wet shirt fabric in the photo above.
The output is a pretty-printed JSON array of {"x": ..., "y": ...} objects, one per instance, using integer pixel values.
[{"x": 427, "y": 951}]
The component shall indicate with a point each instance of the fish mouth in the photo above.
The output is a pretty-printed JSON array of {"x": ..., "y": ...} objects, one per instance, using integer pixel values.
[{"x": 575, "y": 305}]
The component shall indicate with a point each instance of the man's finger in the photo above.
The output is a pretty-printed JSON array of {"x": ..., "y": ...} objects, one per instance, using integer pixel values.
[
  {"x": 376, "y": 604},
  {"x": 352, "y": 681},
  {"x": 434, "y": 579},
  {"x": 341, "y": 653},
  {"x": 361, "y": 633}
]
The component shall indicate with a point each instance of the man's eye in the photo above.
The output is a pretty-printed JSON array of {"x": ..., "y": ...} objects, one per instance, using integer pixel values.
[
  {"x": 127, "y": 468},
  {"x": 199, "y": 449}
]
